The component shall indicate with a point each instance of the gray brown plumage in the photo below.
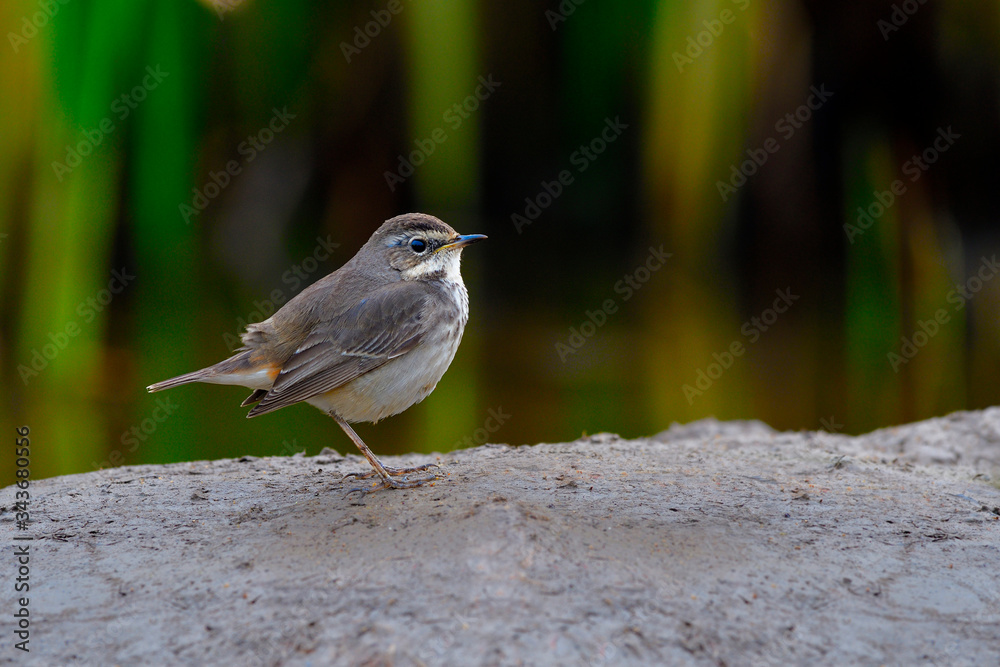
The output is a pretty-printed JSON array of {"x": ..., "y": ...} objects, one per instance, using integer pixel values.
[{"x": 365, "y": 342}]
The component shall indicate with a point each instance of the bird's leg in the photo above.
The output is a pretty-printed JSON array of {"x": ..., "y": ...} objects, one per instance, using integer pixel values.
[{"x": 386, "y": 474}]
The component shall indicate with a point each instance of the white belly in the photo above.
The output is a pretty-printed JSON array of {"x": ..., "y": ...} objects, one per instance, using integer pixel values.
[
  {"x": 392, "y": 388},
  {"x": 405, "y": 380}
]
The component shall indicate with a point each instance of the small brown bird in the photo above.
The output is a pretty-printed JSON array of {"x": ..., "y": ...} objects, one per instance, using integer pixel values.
[{"x": 363, "y": 343}]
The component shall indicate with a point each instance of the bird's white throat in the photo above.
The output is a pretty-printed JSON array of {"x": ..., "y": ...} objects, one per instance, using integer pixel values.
[{"x": 448, "y": 262}]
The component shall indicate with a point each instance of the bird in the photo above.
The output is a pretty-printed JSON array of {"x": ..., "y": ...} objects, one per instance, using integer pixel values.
[{"x": 364, "y": 342}]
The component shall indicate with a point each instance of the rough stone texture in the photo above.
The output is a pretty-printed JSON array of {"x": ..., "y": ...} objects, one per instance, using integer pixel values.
[{"x": 708, "y": 544}]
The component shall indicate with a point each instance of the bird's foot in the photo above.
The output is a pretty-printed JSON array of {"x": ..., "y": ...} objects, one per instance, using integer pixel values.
[
  {"x": 391, "y": 483},
  {"x": 392, "y": 479},
  {"x": 394, "y": 472}
]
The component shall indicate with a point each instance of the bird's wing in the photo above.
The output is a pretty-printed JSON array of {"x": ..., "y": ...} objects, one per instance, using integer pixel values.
[{"x": 386, "y": 324}]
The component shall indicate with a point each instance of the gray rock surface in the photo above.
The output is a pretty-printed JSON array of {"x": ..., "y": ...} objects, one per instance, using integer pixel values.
[{"x": 709, "y": 544}]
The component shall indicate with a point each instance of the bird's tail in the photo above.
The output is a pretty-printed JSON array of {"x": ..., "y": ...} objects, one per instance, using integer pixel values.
[
  {"x": 196, "y": 376},
  {"x": 236, "y": 370}
]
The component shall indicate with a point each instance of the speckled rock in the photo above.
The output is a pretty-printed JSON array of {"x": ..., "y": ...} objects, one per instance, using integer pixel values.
[{"x": 708, "y": 544}]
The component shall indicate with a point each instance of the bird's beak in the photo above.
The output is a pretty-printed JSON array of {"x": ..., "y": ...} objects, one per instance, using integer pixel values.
[{"x": 462, "y": 241}]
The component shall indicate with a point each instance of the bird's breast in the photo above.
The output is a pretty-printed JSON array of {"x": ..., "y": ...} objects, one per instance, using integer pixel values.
[{"x": 411, "y": 377}]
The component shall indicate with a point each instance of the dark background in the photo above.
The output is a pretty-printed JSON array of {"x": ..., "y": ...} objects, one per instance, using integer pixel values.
[{"x": 697, "y": 90}]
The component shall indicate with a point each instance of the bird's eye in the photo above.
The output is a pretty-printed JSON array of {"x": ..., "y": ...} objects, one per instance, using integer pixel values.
[{"x": 418, "y": 245}]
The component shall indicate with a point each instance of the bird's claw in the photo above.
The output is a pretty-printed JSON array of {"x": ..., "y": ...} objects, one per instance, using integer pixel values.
[
  {"x": 394, "y": 472},
  {"x": 389, "y": 483}
]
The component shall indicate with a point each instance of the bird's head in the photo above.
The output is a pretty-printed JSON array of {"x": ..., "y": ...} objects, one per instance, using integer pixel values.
[{"x": 420, "y": 246}]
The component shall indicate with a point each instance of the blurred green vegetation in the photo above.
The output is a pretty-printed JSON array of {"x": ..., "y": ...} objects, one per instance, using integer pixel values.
[{"x": 172, "y": 170}]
